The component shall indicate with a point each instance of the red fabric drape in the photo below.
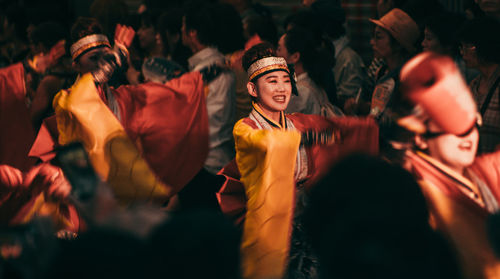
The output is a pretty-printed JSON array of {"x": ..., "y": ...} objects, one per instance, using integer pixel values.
[
  {"x": 17, "y": 134},
  {"x": 357, "y": 135}
]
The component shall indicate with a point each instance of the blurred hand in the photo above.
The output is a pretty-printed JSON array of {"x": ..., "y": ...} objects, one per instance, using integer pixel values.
[
  {"x": 43, "y": 61},
  {"x": 124, "y": 35},
  {"x": 49, "y": 180}
]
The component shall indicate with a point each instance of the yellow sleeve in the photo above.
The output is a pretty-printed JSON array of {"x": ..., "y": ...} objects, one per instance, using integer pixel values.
[
  {"x": 82, "y": 116},
  {"x": 266, "y": 161}
]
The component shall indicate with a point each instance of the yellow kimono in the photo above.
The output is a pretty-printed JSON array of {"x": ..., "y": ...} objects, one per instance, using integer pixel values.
[{"x": 271, "y": 161}]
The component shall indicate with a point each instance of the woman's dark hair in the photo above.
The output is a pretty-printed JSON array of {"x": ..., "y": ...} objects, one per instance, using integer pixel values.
[
  {"x": 109, "y": 13},
  {"x": 331, "y": 17},
  {"x": 444, "y": 26},
  {"x": 360, "y": 225},
  {"x": 48, "y": 34},
  {"x": 315, "y": 59},
  {"x": 171, "y": 22},
  {"x": 473, "y": 7},
  {"x": 257, "y": 52},
  {"x": 484, "y": 34},
  {"x": 85, "y": 26},
  {"x": 307, "y": 19},
  {"x": 262, "y": 26},
  {"x": 230, "y": 29},
  {"x": 200, "y": 16}
]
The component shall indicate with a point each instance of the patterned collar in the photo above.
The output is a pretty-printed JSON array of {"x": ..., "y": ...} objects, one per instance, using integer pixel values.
[{"x": 257, "y": 111}]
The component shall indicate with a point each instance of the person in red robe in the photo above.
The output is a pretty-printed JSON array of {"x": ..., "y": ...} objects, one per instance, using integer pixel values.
[
  {"x": 18, "y": 129},
  {"x": 162, "y": 127},
  {"x": 461, "y": 189}
]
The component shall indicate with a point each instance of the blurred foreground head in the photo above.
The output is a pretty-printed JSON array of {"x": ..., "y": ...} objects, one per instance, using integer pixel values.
[{"x": 374, "y": 225}]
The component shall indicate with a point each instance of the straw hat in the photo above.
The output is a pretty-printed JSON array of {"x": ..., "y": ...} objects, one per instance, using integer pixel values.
[{"x": 401, "y": 26}]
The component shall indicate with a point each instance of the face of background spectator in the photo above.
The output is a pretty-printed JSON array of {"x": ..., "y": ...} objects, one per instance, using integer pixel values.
[
  {"x": 381, "y": 43},
  {"x": 489, "y": 6},
  {"x": 186, "y": 38},
  {"x": 147, "y": 37},
  {"x": 431, "y": 42},
  {"x": 282, "y": 51},
  {"x": 468, "y": 52}
]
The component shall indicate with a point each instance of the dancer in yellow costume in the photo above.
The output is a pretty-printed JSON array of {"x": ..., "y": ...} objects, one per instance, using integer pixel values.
[{"x": 278, "y": 157}]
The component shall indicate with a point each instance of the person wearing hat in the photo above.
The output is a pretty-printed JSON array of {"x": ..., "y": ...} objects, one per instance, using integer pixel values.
[
  {"x": 394, "y": 41},
  {"x": 278, "y": 157},
  {"x": 461, "y": 188}
]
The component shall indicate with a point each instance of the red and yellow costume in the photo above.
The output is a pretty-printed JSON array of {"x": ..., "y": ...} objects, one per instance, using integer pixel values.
[
  {"x": 159, "y": 144},
  {"x": 270, "y": 162}
]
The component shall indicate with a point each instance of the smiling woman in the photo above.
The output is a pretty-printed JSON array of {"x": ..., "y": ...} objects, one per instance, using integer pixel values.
[{"x": 278, "y": 157}]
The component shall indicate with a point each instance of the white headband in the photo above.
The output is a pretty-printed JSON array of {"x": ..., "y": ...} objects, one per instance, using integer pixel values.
[
  {"x": 87, "y": 43},
  {"x": 267, "y": 64}
]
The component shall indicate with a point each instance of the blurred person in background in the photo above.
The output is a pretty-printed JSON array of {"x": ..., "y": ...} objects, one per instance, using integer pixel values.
[
  {"x": 479, "y": 44},
  {"x": 309, "y": 62}
]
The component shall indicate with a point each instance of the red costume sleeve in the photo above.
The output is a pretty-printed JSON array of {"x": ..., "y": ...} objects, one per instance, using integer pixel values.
[
  {"x": 46, "y": 140},
  {"x": 17, "y": 134},
  {"x": 358, "y": 135},
  {"x": 487, "y": 167},
  {"x": 170, "y": 124},
  {"x": 23, "y": 196}
]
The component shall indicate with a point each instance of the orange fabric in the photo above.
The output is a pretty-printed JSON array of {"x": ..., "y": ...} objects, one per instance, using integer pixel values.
[
  {"x": 17, "y": 134},
  {"x": 459, "y": 217}
]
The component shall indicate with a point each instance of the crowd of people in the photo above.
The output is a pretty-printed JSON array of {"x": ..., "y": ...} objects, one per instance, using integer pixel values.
[{"x": 195, "y": 138}]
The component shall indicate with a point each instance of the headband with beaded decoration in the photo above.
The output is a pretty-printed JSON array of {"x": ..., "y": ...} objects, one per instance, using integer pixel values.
[
  {"x": 265, "y": 65},
  {"x": 87, "y": 43}
]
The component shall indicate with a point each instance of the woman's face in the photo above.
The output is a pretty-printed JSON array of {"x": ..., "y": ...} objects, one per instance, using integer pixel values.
[
  {"x": 272, "y": 91},
  {"x": 456, "y": 152},
  {"x": 282, "y": 51},
  {"x": 147, "y": 37},
  {"x": 381, "y": 43},
  {"x": 469, "y": 55},
  {"x": 431, "y": 42},
  {"x": 490, "y": 7},
  {"x": 88, "y": 62}
]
